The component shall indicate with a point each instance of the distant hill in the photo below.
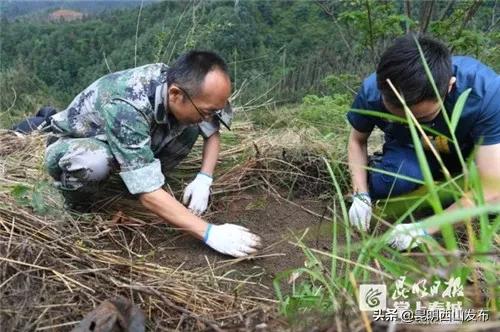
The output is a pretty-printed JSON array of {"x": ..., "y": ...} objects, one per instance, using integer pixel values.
[
  {"x": 15, "y": 9},
  {"x": 287, "y": 47},
  {"x": 251, "y": 35},
  {"x": 65, "y": 15}
]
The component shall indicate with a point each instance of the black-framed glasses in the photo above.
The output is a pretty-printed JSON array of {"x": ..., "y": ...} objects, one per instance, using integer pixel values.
[{"x": 204, "y": 116}]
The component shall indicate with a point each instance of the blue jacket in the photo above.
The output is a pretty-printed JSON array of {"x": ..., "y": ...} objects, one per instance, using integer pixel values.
[{"x": 479, "y": 122}]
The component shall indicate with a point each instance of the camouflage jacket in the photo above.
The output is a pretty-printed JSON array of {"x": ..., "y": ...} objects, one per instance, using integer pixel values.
[{"x": 126, "y": 109}]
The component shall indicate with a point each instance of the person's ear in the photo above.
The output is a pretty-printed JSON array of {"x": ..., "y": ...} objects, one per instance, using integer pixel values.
[
  {"x": 175, "y": 94},
  {"x": 452, "y": 82}
]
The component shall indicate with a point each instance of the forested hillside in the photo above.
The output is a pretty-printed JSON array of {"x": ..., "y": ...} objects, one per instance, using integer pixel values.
[
  {"x": 286, "y": 47},
  {"x": 358, "y": 233},
  {"x": 30, "y": 9}
]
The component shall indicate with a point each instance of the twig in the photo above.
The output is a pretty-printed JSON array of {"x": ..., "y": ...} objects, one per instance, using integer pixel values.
[
  {"x": 57, "y": 325},
  {"x": 137, "y": 33},
  {"x": 13, "y": 102},
  {"x": 106, "y": 60},
  {"x": 468, "y": 16},
  {"x": 408, "y": 14},
  {"x": 425, "y": 15},
  {"x": 56, "y": 273},
  {"x": 152, "y": 291},
  {"x": 329, "y": 12},
  {"x": 445, "y": 11},
  {"x": 299, "y": 206},
  {"x": 10, "y": 236},
  {"x": 370, "y": 31}
]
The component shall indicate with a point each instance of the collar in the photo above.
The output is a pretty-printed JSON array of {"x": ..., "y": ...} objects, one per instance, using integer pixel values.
[{"x": 161, "y": 104}]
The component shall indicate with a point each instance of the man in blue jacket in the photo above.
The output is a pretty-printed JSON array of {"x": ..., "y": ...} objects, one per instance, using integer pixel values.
[{"x": 478, "y": 126}]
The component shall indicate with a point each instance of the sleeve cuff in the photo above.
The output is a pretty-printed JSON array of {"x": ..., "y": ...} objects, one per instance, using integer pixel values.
[
  {"x": 207, "y": 128},
  {"x": 144, "y": 180},
  {"x": 488, "y": 140},
  {"x": 358, "y": 122}
]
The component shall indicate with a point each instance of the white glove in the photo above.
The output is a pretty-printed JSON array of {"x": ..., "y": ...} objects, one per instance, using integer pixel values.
[
  {"x": 230, "y": 239},
  {"x": 405, "y": 236},
  {"x": 360, "y": 212},
  {"x": 198, "y": 191}
]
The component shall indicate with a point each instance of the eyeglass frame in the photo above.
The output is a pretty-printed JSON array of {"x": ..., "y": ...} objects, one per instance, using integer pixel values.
[{"x": 214, "y": 113}]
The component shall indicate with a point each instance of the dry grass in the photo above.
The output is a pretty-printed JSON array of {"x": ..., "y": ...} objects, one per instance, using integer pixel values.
[{"x": 57, "y": 266}]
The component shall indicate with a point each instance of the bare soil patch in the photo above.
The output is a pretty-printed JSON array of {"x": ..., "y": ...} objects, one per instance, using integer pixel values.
[{"x": 279, "y": 222}]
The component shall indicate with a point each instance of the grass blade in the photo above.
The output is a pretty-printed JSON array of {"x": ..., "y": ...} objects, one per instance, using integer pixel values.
[{"x": 457, "y": 110}]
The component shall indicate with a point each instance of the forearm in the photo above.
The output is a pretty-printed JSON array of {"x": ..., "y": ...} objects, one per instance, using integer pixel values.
[
  {"x": 168, "y": 208},
  {"x": 358, "y": 160},
  {"x": 211, "y": 148},
  {"x": 491, "y": 196}
]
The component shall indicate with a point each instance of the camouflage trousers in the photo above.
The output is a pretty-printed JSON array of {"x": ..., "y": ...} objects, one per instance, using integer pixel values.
[{"x": 81, "y": 165}]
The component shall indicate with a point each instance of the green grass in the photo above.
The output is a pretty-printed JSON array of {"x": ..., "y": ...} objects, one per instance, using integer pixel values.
[
  {"x": 331, "y": 277},
  {"x": 325, "y": 114}
]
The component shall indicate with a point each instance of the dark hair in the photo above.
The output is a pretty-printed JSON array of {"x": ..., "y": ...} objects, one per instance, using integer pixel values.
[
  {"x": 402, "y": 64},
  {"x": 190, "y": 69}
]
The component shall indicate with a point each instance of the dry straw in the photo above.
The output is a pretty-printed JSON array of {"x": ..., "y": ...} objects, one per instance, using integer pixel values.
[{"x": 57, "y": 266}]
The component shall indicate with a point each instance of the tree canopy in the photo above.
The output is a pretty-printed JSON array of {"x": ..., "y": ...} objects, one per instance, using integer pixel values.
[{"x": 284, "y": 47}]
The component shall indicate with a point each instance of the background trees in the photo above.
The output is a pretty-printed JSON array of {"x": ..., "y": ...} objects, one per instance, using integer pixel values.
[{"x": 284, "y": 47}]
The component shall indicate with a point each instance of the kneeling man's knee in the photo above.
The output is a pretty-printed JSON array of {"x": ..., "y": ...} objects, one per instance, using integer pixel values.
[
  {"x": 382, "y": 185},
  {"x": 87, "y": 165},
  {"x": 81, "y": 160}
]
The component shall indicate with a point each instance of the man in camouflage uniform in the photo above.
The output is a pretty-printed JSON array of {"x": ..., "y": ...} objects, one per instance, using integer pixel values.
[{"x": 140, "y": 123}]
